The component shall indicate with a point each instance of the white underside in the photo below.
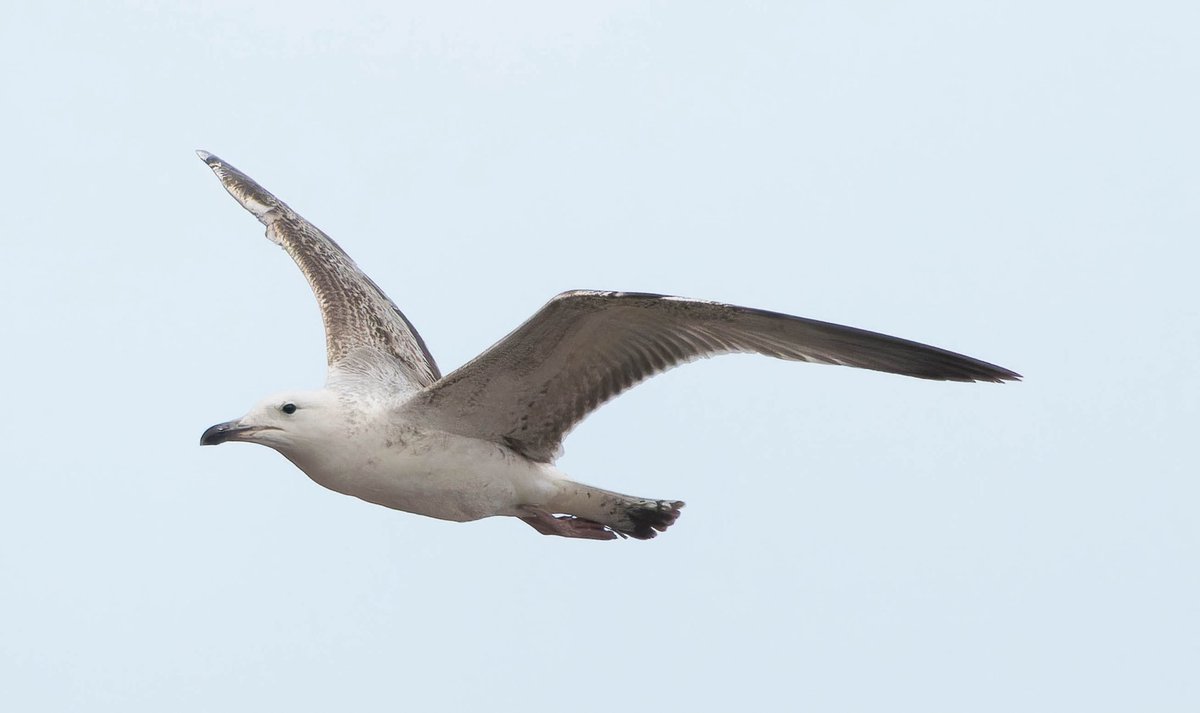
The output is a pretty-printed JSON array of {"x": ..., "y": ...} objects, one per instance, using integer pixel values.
[{"x": 433, "y": 473}]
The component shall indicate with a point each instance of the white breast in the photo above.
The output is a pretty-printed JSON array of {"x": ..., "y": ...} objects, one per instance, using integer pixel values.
[{"x": 432, "y": 473}]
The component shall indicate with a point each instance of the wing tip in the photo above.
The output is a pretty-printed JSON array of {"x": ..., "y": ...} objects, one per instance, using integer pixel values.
[
  {"x": 245, "y": 190},
  {"x": 1004, "y": 375},
  {"x": 986, "y": 373}
]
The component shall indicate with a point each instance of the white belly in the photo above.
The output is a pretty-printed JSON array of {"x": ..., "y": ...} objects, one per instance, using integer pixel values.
[{"x": 434, "y": 474}]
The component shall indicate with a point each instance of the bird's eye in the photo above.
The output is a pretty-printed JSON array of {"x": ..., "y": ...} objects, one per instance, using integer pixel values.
[{"x": 288, "y": 408}]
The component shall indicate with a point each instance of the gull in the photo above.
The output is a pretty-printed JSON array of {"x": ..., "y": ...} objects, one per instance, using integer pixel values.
[{"x": 482, "y": 441}]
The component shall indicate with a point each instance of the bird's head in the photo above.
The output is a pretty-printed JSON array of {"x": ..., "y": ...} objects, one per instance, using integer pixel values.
[{"x": 284, "y": 421}]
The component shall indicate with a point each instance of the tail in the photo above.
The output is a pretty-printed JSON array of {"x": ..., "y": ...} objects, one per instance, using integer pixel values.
[{"x": 593, "y": 511}]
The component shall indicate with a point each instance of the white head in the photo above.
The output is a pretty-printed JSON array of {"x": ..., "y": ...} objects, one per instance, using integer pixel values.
[{"x": 287, "y": 422}]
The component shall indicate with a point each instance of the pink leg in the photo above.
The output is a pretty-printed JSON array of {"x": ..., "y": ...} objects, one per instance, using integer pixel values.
[{"x": 566, "y": 525}]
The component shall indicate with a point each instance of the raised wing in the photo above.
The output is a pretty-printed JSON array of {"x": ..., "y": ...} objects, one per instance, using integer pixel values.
[
  {"x": 583, "y": 348},
  {"x": 364, "y": 332}
]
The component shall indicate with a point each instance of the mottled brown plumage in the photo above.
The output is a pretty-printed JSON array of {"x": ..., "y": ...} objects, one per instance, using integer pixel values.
[
  {"x": 583, "y": 348},
  {"x": 359, "y": 318}
]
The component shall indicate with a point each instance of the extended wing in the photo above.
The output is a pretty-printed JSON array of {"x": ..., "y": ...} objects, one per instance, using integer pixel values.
[
  {"x": 364, "y": 331},
  {"x": 583, "y": 348}
]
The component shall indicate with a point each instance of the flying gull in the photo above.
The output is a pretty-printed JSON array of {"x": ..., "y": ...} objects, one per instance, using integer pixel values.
[{"x": 482, "y": 441}]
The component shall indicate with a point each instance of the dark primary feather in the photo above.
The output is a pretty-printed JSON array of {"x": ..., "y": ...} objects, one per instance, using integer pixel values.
[
  {"x": 359, "y": 318},
  {"x": 583, "y": 348}
]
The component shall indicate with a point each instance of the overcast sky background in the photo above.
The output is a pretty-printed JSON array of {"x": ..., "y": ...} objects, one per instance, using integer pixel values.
[{"x": 1017, "y": 181}]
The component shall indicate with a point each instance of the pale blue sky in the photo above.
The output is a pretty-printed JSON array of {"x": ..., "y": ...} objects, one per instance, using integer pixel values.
[{"x": 1017, "y": 181}]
